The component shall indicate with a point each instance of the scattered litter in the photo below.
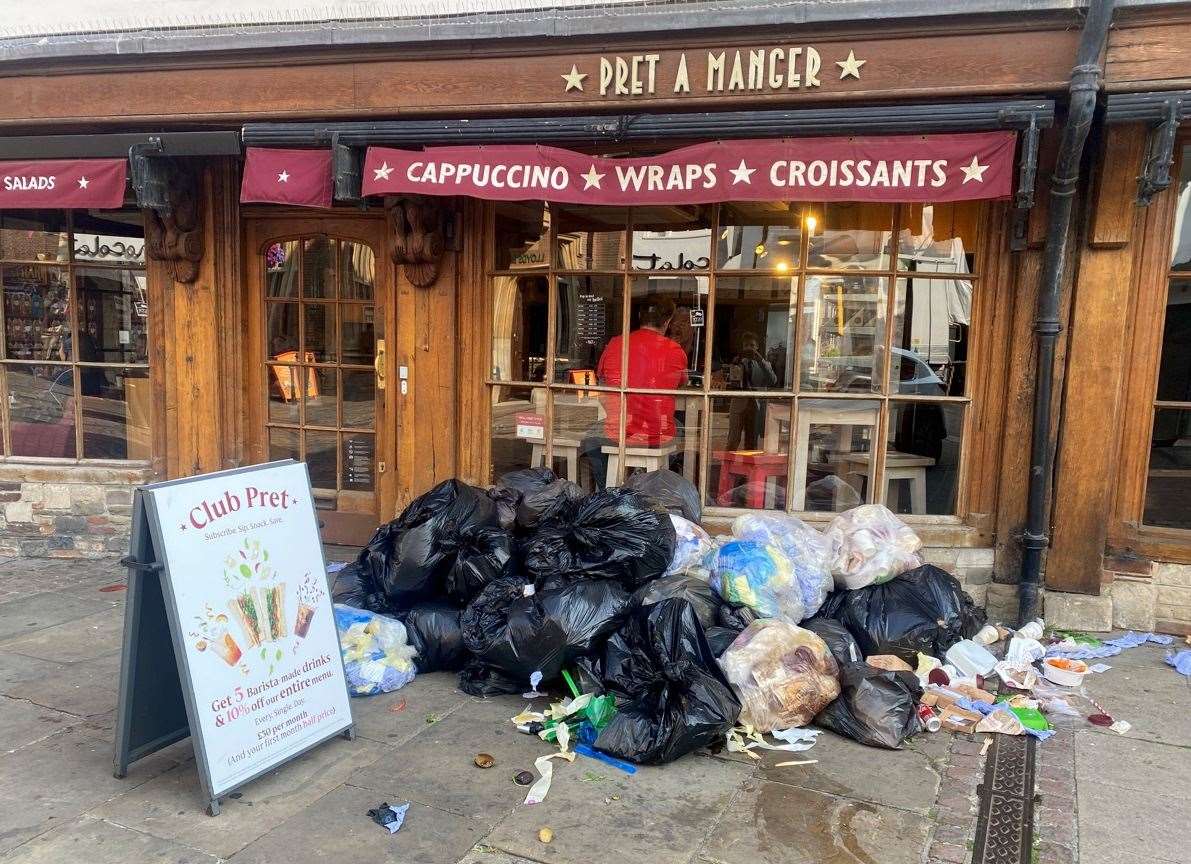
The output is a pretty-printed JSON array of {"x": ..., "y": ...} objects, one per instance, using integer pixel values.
[
  {"x": 537, "y": 792},
  {"x": 1099, "y": 668},
  {"x": 1100, "y": 720},
  {"x": 611, "y": 798},
  {"x": 590, "y": 777},
  {"x": 523, "y": 778},
  {"x": 534, "y": 680},
  {"x": 432, "y": 718},
  {"x": 1032, "y": 630},
  {"x": 109, "y": 589},
  {"x": 335, "y": 567},
  {"x": 1064, "y": 671},
  {"x": 802, "y": 762},
  {"x": 1078, "y": 646},
  {"x": 483, "y": 760},
  {"x": 889, "y": 662},
  {"x": 1120, "y": 727},
  {"x": 1019, "y": 675},
  {"x": 1024, "y": 650},
  {"x": 1001, "y": 720},
  {"x": 1181, "y": 661},
  {"x": 397, "y": 707},
  {"x": 591, "y": 753},
  {"x": 389, "y": 816},
  {"x": 987, "y": 635},
  {"x": 545, "y": 835},
  {"x": 984, "y": 747},
  {"x": 971, "y": 659}
]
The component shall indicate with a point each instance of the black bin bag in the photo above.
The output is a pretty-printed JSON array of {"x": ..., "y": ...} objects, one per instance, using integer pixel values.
[
  {"x": 615, "y": 534},
  {"x": 539, "y": 490},
  {"x": 923, "y": 609},
  {"x": 435, "y": 634},
  {"x": 353, "y": 587},
  {"x": 875, "y": 706},
  {"x": 410, "y": 557},
  {"x": 516, "y": 630},
  {"x": 696, "y": 591},
  {"x": 670, "y": 490},
  {"x": 840, "y": 642},
  {"x": 671, "y": 696}
]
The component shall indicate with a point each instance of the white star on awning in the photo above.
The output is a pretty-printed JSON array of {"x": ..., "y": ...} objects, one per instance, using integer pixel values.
[
  {"x": 973, "y": 171},
  {"x": 283, "y": 177},
  {"x": 591, "y": 178},
  {"x": 383, "y": 172},
  {"x": 83, "y": 181},
  {"x": 742, "y": 173}
]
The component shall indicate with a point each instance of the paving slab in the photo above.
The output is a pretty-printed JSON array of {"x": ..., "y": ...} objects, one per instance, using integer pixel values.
[
  {"x": 51, "y": 782},
  {"x": 427, "y": 695},
  {"x": 85, "y": 689},
  {"x": 488, "y": 855},
  {"x": 336, "y": 827},
  {"x": 1115, "y": 822},
  {"x": 436, "y": 766},
  {"x": 773, "y": 823},
  {"x": 85, "y": 638},
  {"x": 23, "y": 722},
  {"x": 1134, "y": 764},
  {"x": 45, "y": 609},
  {"x": 17, "y": 668},
  {"x": 97, "y": 842},
  {"x": 659, "y": 815},
  {"x": 908, "y": 778},
  {"x": 171, "y": 805}
]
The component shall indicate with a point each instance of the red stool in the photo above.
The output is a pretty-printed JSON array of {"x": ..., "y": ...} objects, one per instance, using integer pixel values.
[{"x": 756, "y": 467}]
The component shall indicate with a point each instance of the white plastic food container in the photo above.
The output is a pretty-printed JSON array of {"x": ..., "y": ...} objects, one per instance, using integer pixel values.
[{"x": 1068, "y": 673}]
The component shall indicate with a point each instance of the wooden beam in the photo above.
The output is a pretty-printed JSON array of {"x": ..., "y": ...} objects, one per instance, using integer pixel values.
[{"x": 1096, "y": 361}]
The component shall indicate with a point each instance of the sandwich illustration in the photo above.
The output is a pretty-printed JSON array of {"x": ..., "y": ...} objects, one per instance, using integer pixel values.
[
  {"x": 246, "y": 609},
  {"x": 271, "y": 602}
]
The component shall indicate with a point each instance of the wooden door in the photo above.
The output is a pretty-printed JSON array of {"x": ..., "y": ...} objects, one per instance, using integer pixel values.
[{"x": 319, "y": 302}]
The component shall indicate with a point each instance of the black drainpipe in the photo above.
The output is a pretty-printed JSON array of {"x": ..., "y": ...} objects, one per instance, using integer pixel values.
[{"x": 1085, "y": 85}]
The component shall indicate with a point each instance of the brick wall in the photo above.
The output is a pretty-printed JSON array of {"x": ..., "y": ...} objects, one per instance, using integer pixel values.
[{"x": 41, "y": 516}]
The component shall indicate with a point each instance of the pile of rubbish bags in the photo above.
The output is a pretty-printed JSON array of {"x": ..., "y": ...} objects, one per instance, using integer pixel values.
[{"x": 524, "y": 584}]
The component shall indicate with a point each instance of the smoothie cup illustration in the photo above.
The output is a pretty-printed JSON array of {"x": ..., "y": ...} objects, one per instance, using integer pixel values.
[{"x": 225, "y": 646}]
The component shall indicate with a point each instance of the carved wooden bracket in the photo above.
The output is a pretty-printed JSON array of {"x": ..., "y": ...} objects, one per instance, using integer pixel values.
[
  {"x": 419, "y": 237},
  {"x": 174, "y": 233}
]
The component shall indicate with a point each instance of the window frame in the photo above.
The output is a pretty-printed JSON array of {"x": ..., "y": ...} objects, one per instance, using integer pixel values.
[
  {"x": 1128, "y": 532},
  {"x": 985, "y": 276},
  {"x": 72, "y": 267}
]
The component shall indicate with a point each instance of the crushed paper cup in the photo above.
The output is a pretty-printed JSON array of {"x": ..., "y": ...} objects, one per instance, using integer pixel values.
[{"x": 1022, "y": 649}]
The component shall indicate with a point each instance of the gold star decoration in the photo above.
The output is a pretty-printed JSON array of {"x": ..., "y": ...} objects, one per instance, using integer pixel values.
[
  {"x": 850, "y": 67},
  {"x": 574, "y": 79}
]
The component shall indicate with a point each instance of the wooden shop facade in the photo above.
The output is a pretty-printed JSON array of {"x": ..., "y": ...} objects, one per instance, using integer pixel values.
[{"x": 798, "y": 263}]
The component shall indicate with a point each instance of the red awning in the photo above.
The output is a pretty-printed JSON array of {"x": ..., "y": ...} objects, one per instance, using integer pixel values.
[
  {"x": 917, "y": 168},
  {"x": 63, "y": 183},
  {"x": 298, "y": 177}
]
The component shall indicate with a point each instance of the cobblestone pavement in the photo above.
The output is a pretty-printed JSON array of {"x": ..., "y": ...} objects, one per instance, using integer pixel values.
[{"x": 60, "y": 632}]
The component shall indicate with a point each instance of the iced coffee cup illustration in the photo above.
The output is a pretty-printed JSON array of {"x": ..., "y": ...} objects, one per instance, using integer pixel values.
[{"x": 302, "y": 623}]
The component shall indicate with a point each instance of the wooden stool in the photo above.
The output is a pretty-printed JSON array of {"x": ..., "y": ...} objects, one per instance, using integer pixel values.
[
  {"x": 649, "y": 458},
  {"x": 898, "y": 466},
  {"x": 757, "y": 468},
  {"x": 564, "y": 448}
]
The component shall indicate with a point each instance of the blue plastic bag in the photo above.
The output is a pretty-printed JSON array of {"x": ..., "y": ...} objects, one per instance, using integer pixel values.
[
  {"x": 808, "y": 551},
  {"x": 377, "y": 656},
  {"x": 757, "y": 575}
]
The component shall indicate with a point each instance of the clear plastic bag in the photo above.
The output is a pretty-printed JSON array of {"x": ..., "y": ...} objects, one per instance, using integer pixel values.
[
  {"x": 757, "y": 575},
  {"x": 691, "y": 546},
  {"x": 869, "y": 545},
  {"x": 377, "y": 656},
  {"x": 784, "y": 675},
  {"x": 808, "y": 551}
]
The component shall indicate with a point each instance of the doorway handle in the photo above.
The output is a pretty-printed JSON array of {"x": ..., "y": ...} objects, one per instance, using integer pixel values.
[{"x": 378, "y": 365}]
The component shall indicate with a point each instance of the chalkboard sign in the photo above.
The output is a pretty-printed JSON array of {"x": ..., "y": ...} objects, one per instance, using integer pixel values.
[
  {"x": 229, "y": 634},
  {"x": 591, "y": 320}
]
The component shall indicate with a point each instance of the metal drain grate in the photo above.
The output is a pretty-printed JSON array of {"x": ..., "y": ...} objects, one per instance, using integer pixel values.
[{"x": 1005, "y": 824}]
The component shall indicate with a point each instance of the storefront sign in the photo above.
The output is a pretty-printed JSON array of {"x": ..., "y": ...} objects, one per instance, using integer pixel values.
[
  {"x": 773, "y": 69},
  {"x": 931, "y": 169},
  {"x": 228, "y": 580},
  {"x": 298, "y": 177},
  {"x": 63, "y": 183}
]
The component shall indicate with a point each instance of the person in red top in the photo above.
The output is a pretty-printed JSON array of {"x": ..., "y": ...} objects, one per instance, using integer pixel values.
[{"x": 655, "y": 362}]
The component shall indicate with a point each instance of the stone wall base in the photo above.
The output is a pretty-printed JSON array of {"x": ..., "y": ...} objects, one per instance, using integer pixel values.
[
  {"x": 1158, "y": 602},
  {"x": 64, "y": 520}
]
